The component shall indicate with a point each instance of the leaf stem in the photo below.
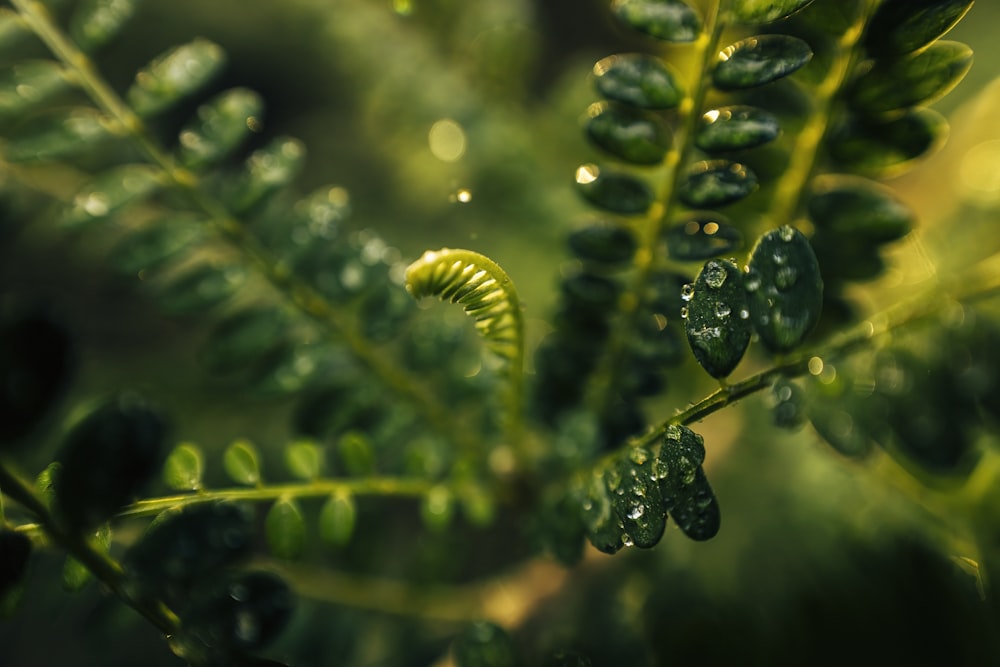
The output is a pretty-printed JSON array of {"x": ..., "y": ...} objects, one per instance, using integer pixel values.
[
  {"x": 980, "y": 282},
  {"x": 104, "y": 568},
  {"x": 368, "y": 486},
  {"x": 607, "y": 377}
]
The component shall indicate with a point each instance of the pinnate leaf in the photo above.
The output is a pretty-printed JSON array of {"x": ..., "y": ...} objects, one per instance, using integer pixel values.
[
  {"x": 174, "y": 75},
  {"x": 304, "y": 459},
  {"x": 94, "y": 23},
  {"x": 757, "y": 60},
  {"x": 716, "y": 323},
  {"x": 184, "y": 467},
  {"x": 285, "y": 528},
  {"x": 765, "y": 11},
  {"x": 784, "y": 288},
  {"x": 669, "y": 20},
  {"x": 919, "y": 79},
  {"x": 337, "y": 519},
  {"x": 903, "y": 26},
  {"x": 242, "y": 463},
  {"x": 638, "y": 80}
]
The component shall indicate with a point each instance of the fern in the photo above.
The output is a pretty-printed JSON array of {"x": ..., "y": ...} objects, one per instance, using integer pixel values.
[{"x": 733, "y": 225}]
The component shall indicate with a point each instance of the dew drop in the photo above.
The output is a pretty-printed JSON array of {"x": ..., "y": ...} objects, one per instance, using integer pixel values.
[
  {"x": 638, "y": 455},
  {"x": 744, "y": 314},
  {"x": 779, "y": 257},
  {"x": 786, "y": 277},
  {"x": 787, "y": 233},
  {"x": 687, "y": 292},
  {"x": 684, "y": 312},
  {"x": 722, "y": 310},
  {"x": 715, "y": 275},
  {"x": 635, "y": 511}
]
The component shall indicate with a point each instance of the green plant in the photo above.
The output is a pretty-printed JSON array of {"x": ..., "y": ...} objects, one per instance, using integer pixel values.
[{"x": 390, "y": 483}]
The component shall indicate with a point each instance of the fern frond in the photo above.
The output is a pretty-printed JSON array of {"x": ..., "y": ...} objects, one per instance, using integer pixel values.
[{"x": 488, "y": 295}]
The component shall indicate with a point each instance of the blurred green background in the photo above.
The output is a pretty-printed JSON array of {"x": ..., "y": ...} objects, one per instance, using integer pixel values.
[{"x": 816, "y": 558}]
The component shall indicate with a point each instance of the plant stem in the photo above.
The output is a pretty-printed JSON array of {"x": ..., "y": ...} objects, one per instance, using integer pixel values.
[
  {"x": 792, "y": 188},
  {"x": 369, "y": 486},
  {"x": 980, "y": 282},
  {"x": 104, "y": 568},
  {"x": 606, "y": 378},
  {"x": 307, "y": 299}
]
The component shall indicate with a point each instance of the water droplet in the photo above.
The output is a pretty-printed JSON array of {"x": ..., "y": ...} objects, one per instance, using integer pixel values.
[
  {"x": 787, "y": 233},
  {"x": 744, "y": 314},
  {"x": 786, "y": 277},
  {"x": 722, "y": 310},
  {"x": 779, "y": 257},
  {"x": 751, "y": 281},
  {"x": 674, "y": 432},
  {"x": 684, "y": 312},
  {"x": 715, "y": 275},
  {"x": 687, "y": 291},
  {"x": 635, "y": 511},
  {"x": 627, "y": 540},
  {"x": 638, "y": 455}
]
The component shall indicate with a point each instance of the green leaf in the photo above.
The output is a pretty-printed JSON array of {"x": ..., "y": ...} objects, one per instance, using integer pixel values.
[
  {"x": 184, "y": 467},
  {"x": 756, "y": 12},
  {"x": 13, "y": 30},
  {"x": 75, "y": 575},
  {"x": 685, "y": 489},
  {"x": 920, "y": 79},
  {"x": 242, "y": 338},
  {"x": 632, "y": 135},
  {"x": 110, "y": 192},
  {"x": 242, "y": 463},
  {"x": 702, "y": 236},
  {"x": 202, "y": 288},
  {"x": 882, "y": 147},
  {"x": 784, "y": 288},
  {"x": 635, "y": 494},
  {"x": 604, "y": 242},
  {"x": 337, "y": 519},
  {"x": 220, "y": 126},
  {"x": 60, "y": 134},
  {"x": 858, "y": 207},
  {"x": 268, "y": 170},
  {"x": 29, "y": 84},
  {"x": 190, "y": 544},
  {"x": 36, "y": 363},
  {"x": 304, "y": 459},
  {"x": 46, "y": 480},
  {"x": 15, "y": 550},
  {"x": 174, "y": 75},
  {"x": 600, "y": 520},
  {"x": 713, "y": 183},
  {"x": 355, "y": 450},
  {"x": 736, "y": 128},
  {"x": 669, "y": 20},
  {"x": 613, "y": 191},
  {"x": 285, "y": 528},
  {"x": 233, "y": 614},
  {"x": 483, "y": 289},
  {"x": 638, "y": 80},
  {"x": 438, "y": 508},
  {"x": 107, "y": 458},
  {"x": 757, "y": 60},
  {"x": 94, "y": 23},
  {"x": 484, "y": 644},
  {"x": 153, "y": 246},
  {"x": 903, "y": 26},
  {"x": 716, "y": 321}
]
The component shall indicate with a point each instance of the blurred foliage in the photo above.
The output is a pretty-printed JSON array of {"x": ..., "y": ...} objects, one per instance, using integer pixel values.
[{"x": 211, "y": 308}]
